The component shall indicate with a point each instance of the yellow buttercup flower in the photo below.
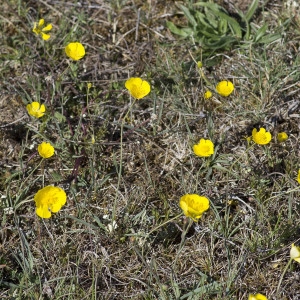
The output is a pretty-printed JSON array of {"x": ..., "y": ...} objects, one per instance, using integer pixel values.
[
  {"x": 295, "y": 253},
  {"x": 298, "y": 177},
  {"x": 49, "y": 199},
  {"x": 75, "y": 50},
  {"x": 225, "y": 88},
  {"x": 40, "y": 29},
  {"x": 257, "y": 297},
  {"x": 204, "y": 148},
  {"x": 207, "y": 94},
  {"x": 193, "y": 205},
  {"x": 282, "y": 137},
  {"x": 137, "y": 87},
  {"x": 261, "y": 137},
  {"x": 45, "y": 150},
  {"x": 36, "y": 109}
]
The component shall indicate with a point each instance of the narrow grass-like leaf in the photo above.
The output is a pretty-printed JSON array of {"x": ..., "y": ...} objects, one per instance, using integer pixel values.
[
  {"x": 260, "y": 32},
  {"x": 251, "y": 10},
  {"x": 216, "y": 10},
  {"x": 269, "y": 38}
]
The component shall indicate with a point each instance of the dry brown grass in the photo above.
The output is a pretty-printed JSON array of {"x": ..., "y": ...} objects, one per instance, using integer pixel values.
[{"x": 136, "y": 173}]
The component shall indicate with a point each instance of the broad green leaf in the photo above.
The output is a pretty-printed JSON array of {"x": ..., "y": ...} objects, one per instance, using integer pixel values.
[
  {"x": 223, "y": 42},
  {"x": 217, "y": 11},
  {"x": 233, "y": 24},
  {"x": 201, "y": 19},
  {"x": 184, "y": 32},
  {"x": 189, "y": 16},
  {"x": 212, "y": 19},
  {"x": 223, "y": 26}
]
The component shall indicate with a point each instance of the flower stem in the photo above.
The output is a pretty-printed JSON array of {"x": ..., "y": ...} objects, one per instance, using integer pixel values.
[{"x": 282, "y": 275}]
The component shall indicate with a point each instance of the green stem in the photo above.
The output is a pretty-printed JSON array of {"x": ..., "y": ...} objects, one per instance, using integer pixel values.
[{"x": 282, "y": 275}]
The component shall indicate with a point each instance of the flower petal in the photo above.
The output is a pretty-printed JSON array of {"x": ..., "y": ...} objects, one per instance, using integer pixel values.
[
  {"x": 45, "y": 36},
  {"x": 43, "y": 212},
  {"x": 137, "y": 87},
  {"x": 41, "y": 22},
  {"x": 47, "y": 28},
  {"x": 75, "y": 50}
]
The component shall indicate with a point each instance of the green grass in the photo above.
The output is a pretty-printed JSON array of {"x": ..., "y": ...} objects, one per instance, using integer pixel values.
[{"x": 135, "y": 172}]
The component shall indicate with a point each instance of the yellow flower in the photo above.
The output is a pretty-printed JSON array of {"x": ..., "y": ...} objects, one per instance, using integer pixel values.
[
  {"x": 261, "y": 137},
  {"x": 199, "y": 64},
  {"x": 207, "y": 94},
  {"x": 39, "y": 29},
  {"x": 204, "y": 148},
  {"x": 137, "y": 87},
  {"x": 193, "y": 205},
  {"x": 295, "y": 253},
  {"x": 49, "y": 199},
  {"x": 75, "y": 51},
  {"x": 257, "y": 297},
  {"x": 225, "y": 88},
  {"x": 45, "y": 150},
  {"x": 298, "y": 177},
  {"x": 282, "y": 137},
  {"x": 36, "y": 109}
]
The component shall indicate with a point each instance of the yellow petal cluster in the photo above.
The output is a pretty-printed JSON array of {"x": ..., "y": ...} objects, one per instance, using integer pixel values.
[
  {"x": 207, "y": 94},
  {"x": 257, "y": 297},
  {"x": 45, "y": 150},
  {"x": 75, "y": 50},
  {"x": 298, "y": 177},
  {"x": 137, "y": 87},
  {"x": 282, "y": 137},
  {"x": 36, "y": 109},
  {"x": 261, "y": 137},
  {"x": 193, "y": 205},
  {"x": 40, "y": 29},
  {"x": 225, "y": 88},
  {"x": 49, "y": 199},
  {"x": 295, "y": 253},
  {"x": 204, "y": 148}
]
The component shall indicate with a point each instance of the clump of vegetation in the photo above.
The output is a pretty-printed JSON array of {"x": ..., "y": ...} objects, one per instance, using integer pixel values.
[
  {"x": 132, "y": 168},
  {"x": 210, "y": 26}
]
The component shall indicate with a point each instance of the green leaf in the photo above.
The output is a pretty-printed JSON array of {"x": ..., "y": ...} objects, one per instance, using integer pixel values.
[
  {"x": 212, "y": 19},
  {"x": 223, "y": 43},
  {"x": 184, "y": 32},
  {"x": 202, "y": 20},
  {"x": 59, "y": 117},
  {"x": 269, "y": 38},
  {"x": 233, "y": 24},
  {"x": 203, "y": 290},
  {"x": 260, "y": 32},
  {"x": 56, "y": 176},
  {"x": 251, "y": 10},
  {"x": 189, "y": 16},
  {"x": 223, "y": 26},
  {"x": 217, "y": 11}
]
